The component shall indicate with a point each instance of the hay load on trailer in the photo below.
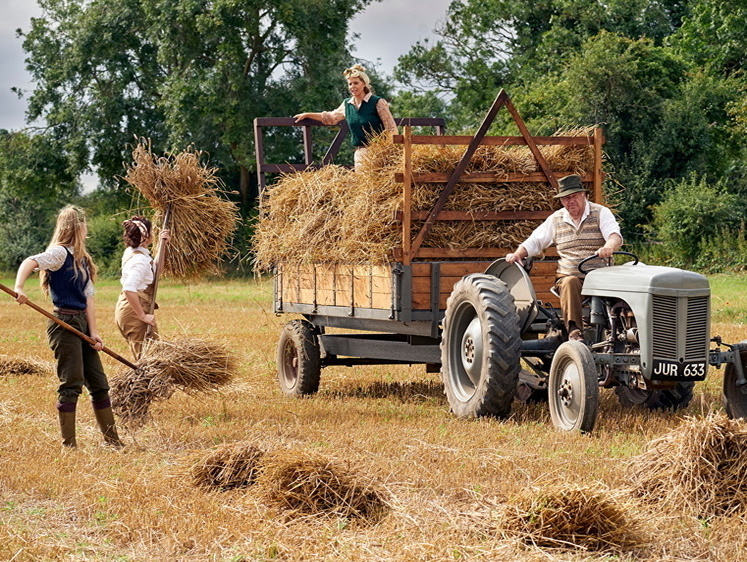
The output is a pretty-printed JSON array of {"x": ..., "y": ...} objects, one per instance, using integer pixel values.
[{"x": 379, "y": 252}]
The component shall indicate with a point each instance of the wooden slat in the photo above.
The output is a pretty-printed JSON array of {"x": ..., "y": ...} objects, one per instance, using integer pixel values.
[
  {"x": 500, "y": 100},
  {"x": 485, "y": 177},
  {"x": 494, "y": 140},
  {"x": 481, "y": 215}
]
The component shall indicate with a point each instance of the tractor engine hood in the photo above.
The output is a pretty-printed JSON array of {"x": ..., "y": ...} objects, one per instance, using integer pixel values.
[{"x": 642, "y": 278}]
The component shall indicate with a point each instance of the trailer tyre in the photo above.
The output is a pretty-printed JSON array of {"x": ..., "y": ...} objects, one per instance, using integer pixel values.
[
  {"x": 573, "y": 388},
  {"x": 480, "y": 347},
  {"x": 669, "y": 399},
  {"x": 298, "y": 359},
  {"x": 735, "y": 402}
]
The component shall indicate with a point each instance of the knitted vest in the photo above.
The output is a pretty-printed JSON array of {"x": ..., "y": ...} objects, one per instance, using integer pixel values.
[
  {"x": 65, "y": 288},
  {"x": 574, "y": 245},
  {"x": 364, "y": 121}
]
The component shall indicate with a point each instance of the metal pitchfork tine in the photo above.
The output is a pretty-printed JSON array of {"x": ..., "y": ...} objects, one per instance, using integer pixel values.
[{"x": 68, "y": 327}]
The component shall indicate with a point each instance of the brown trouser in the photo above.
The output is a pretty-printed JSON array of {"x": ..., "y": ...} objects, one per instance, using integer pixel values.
[
  {"x": 569, "y": 288},
  {"x": 78, "y": 364},
  {"x": 130, "y": 326}
]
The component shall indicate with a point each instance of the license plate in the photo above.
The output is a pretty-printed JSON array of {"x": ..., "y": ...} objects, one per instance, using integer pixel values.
[{"x": 665, "y": 370}]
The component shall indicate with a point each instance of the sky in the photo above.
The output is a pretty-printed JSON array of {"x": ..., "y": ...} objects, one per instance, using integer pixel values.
[{"x": 387, "y": 30}]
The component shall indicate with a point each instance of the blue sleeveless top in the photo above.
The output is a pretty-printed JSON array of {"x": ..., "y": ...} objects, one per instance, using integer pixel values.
[{"x": 65, "y": 288}]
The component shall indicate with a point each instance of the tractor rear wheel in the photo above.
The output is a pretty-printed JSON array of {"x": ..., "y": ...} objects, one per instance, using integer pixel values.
[
  {"x": 669, "y": 399},
  {"x": 480, "y": 347},
  {"x": 298, "y": 359},
  {"x": 735, "y": 402},
  {"x": 573, "y": 388}
]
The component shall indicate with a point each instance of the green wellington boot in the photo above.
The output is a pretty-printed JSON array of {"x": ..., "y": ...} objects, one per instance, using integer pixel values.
[
  {"x": 105, "y": 419},
  {"x": 66, "y": 412}
]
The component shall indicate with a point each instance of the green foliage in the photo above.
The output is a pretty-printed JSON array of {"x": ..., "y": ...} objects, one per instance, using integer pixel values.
[
  {"x": 105, "y": 244},
  {"x": 35, "y": 181},
  {"x": 692, "y": 222},
  {"x": 181, "y": 72}
]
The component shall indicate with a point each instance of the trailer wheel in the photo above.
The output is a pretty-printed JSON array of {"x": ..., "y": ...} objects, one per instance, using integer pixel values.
[
  {"x": 669, "y": 399},
  {"x": 480, "y": 347},
  {"x": 735, "y": 402},
  {"x": 573, "y": 388},
  {"x": 298, "y": 359}
]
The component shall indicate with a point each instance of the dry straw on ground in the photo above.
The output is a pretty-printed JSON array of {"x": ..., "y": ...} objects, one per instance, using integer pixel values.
[
  {"x": 231, "y": 465},
  {"x": 574, "y": 518},
  {"x": 14, "y": 366},
  {"x": 190, "y": 365},
  {"x": 699, "y": 468},
  {"x": 335, "y": 215},
  {"x": 304, "y": 483},
  {"x": 201, "y": 219}
]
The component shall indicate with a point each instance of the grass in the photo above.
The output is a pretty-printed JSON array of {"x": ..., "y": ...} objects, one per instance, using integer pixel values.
[{"x": 446, "y": 479}]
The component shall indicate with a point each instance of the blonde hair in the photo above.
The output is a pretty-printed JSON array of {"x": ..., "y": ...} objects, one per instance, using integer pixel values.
[
  {"x": 357, "y": 71},
  {"x": 69, "y": 231}
]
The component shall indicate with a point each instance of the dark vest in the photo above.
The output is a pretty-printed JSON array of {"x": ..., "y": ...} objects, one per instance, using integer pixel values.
[
  {"x": 363, "y": 122},
  {"x": 65, "y": 288}
]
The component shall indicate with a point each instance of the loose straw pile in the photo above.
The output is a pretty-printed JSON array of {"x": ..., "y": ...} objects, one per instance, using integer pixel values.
[
  {"x": 14, "y": 366},
  {"x": 202, "y": 221},
  {"x": 573, "y": 518},
  {"x": 304, "y": 483},
  {"x": 190, "y": 365},
  {"x": 335, "y": 215},
  {"x": 699, "y": 468},
  {"x": 231, "y": 465}
]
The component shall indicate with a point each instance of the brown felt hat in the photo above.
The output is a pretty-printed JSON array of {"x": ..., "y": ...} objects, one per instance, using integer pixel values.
[{"x": 569, "y": 185}]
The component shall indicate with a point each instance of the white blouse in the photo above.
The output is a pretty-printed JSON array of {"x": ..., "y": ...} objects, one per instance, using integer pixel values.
[{"x": 137, "y": 269}]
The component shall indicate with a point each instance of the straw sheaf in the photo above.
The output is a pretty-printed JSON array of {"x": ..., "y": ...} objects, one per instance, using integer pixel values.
[
  {"x": 573, "y": 518},
  {"x": 190, "y": 365},
  {"x": 305, "y": 483},
  {"x": 14, "y": 366},
  {"x": 335, "y": 215},
  {"x": 202, "y": 221},
  {"x": 699, "y": 468},
  {"x": 231, "y": 465}
]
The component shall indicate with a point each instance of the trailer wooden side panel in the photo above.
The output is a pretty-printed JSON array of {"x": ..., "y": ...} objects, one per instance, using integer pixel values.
[
  {"x": 370, "y": 286},
  {"x": 364, "y": 286}
]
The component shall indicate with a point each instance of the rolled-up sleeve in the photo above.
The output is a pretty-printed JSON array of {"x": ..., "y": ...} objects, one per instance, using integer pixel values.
[
  {"x": 385, "y": 114},
  {"x": 51, "y": 259},
  {"x": 334, "y": 117},
  {"x": 608, "y": 224}
]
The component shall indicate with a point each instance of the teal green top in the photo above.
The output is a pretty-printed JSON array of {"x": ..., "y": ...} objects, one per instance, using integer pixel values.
[{"x": 363, "y": 122}]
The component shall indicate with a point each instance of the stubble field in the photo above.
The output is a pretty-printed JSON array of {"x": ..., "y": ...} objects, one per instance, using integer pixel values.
[{"x": 446, "y": 481}]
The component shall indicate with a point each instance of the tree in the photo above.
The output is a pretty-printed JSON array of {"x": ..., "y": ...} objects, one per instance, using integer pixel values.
[
  {"x": 35, "y": 180},
  {"x": 181, "y": 72}
]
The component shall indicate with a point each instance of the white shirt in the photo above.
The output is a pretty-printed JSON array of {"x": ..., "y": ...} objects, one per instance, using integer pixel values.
[
  {"x": 137, "y": 269},
  {"x": 53, "y": 258},
  {"x": 544, "y": 235}
]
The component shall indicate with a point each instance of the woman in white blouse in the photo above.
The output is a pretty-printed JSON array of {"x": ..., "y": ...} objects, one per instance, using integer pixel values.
[{"x": 131, "y": 314}]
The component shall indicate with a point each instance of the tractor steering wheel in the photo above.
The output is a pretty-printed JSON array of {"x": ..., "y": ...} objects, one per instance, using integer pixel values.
[{"x": 583, "y": 261}]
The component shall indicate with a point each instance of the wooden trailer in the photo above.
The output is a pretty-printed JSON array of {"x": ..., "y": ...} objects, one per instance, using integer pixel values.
[{"x": 394, "y": 313}]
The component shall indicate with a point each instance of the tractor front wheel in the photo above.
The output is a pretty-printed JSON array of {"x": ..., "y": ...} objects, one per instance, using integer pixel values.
[
  {"x": 573, "y": 388},
  {"x": 480, "y": 347},
  {"x": 298, "y": 359},
  {"x": 735, "y": 401}
]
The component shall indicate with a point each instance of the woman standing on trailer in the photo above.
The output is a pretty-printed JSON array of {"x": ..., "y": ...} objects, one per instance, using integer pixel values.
[
  {"x": 367, "y": 115},
  {"x": 67, "y": 274},
  {"x": 131, "y": 314}
]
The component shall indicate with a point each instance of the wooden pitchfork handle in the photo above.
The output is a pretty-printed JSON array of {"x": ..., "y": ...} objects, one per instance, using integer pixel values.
[
  {"x": 160, "y": 263},
  {"x": 68, "y": 327}
]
